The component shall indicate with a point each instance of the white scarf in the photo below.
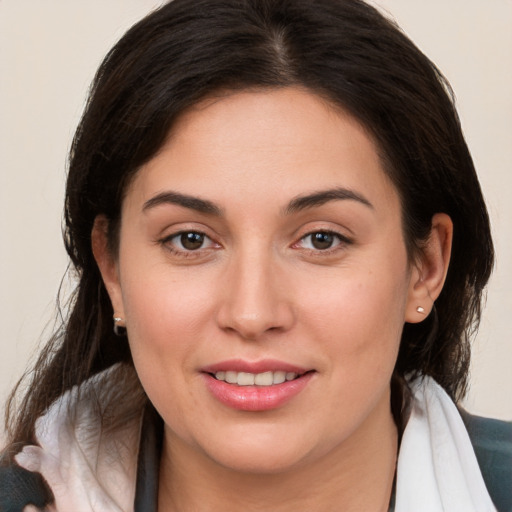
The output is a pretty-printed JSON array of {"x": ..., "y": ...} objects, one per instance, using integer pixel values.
[
  {"x": 87, "y": 457},
  {"x": 437, "y": 468},
  {"x": 90, "y": 472}
]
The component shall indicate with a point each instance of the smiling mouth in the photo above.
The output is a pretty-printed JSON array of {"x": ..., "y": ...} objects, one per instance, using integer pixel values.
[
  {"x": 264, "y": 379},
  {"x": 270, "y": 384}
]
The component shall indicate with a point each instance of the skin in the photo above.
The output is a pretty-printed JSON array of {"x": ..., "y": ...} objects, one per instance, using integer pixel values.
[{"x": 258, "y": 288}]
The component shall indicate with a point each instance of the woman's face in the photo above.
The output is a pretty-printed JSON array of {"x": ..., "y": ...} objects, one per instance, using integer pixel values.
[{"x": 264, "y": 243}]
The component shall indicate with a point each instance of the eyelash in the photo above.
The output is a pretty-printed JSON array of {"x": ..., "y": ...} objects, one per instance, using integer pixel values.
[
  {"x": 183, "y": 252},
  {"x": 342, "y": 242}
]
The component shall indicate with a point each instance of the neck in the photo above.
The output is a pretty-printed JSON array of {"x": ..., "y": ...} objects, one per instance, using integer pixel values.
[{"x": 357, "y": 475}]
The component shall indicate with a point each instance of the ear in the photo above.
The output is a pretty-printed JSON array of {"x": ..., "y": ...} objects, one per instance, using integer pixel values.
[
  {"x": 429, "y": 270},
  {"x": 107, "y": 264}
]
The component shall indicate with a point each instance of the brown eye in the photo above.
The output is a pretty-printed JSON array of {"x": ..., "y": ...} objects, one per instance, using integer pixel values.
[
  {"x": 186, "y": 243},
  {"x": 322, "y": 240},
  {"x": 192, "y": 241}
]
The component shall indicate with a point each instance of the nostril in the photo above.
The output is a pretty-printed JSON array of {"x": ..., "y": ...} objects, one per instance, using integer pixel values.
[{"x": 254, "y": 309}]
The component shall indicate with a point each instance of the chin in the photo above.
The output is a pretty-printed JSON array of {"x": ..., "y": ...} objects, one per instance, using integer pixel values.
[
  {"x": 263, "y": 450},
  {"x": 258, "y": 460}
]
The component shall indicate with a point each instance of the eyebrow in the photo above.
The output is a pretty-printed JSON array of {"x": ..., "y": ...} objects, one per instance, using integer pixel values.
[
  {"x": 324, "y": 196},
  {"x": 191, "y": 202},
  {"x": 295, "y": 205}
]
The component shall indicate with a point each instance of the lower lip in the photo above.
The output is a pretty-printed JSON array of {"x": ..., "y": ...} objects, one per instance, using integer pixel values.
[{"x": 256, "y": 398}]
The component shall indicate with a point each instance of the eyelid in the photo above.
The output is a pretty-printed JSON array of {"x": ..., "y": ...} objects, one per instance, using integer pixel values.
[
  {"x": 178, "y": 234},
  {"x": 166, "y": 242},
  {"x": 344, "y": 233},
  {"x": 170, "y": 230},
  {"x": 343, "y": 242}
]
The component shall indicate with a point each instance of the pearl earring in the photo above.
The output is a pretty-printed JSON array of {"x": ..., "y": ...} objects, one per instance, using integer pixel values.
[{"x": 119, "y": 326}]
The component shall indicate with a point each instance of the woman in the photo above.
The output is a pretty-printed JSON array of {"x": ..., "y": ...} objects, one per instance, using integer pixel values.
[{"x": 282, "y": 245}]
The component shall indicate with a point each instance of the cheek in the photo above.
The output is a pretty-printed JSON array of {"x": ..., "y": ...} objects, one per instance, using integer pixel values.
[
  {"x": 358, "y": 318},
  {"x": 165, "y": 311},
  {"x": 358, "y": 302},
  {"x": 165, "y": 325}
]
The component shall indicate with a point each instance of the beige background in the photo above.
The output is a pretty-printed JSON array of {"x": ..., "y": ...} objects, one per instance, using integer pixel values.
[{"x": 49, "y": 50}]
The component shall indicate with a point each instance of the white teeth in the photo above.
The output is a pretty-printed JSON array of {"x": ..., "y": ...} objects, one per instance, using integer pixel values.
[
  {"x": 231, "y": 377},
  {"x": 264, "y": 379},
  {"x": 251, "y": 379},
  {"x": 245, "y": 379},
  {"x": 279, "y": 377}
]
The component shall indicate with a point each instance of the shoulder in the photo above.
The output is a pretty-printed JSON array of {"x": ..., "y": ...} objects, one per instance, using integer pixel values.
[
  {"x": 19, "y": 488},
  {"x": 85, "y": 444},
  {"x": 492, "y": 442}
]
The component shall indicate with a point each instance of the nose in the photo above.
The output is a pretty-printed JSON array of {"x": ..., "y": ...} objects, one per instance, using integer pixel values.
[{"x": 256, "y": 298}]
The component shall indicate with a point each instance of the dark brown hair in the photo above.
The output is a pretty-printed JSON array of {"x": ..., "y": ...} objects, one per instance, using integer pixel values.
[{"x": 343, "y": 50}]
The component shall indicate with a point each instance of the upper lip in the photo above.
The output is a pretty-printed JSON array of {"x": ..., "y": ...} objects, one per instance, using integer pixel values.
[{"x": 262, "y": 366}]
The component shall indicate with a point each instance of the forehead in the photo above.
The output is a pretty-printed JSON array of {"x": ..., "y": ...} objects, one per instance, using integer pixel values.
[{"x": 245, "y": 143}]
